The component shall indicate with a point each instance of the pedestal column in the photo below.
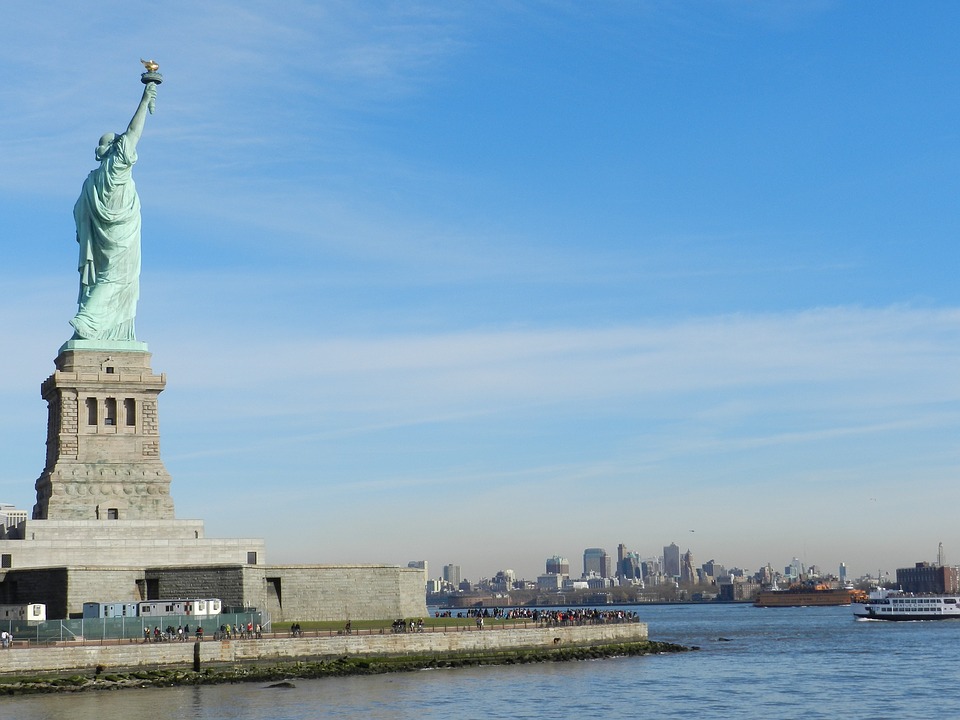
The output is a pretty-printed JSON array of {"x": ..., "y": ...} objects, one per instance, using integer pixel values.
[{"x": 103, "y": 438}]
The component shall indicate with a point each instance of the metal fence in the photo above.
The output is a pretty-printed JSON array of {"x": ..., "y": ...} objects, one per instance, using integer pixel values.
[{"x": 131, "y": 629}]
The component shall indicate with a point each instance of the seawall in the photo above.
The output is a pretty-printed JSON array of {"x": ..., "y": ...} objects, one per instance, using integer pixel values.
[{"x": 150, "y": 656}]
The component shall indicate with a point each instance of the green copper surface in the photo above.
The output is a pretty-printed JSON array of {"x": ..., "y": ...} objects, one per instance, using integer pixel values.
[{"x": 107, "y": 217}]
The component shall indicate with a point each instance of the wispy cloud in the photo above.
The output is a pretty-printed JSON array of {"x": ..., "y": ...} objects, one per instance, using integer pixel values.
[
  {"x": 232, "y": 69},
  {"x": 877, "y": 361}
]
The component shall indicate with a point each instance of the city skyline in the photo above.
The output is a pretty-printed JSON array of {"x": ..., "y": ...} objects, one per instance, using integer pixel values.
[
  {"x": 482, "y": 284},
  {"x": 792, "y": 566}
]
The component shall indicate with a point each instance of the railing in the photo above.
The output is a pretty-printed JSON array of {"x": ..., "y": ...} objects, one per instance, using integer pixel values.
[
  {"x": 118, "y": 631},
  {"x": 100, "y": 631}
]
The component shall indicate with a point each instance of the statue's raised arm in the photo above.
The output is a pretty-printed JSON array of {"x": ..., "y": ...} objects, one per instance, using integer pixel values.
[
  {"x": 107, "y": 216},
  {"x": 148, "y": 101}
]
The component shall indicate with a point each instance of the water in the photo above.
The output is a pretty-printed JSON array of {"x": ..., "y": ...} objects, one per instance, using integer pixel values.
[{"x": 773, "y": 663}]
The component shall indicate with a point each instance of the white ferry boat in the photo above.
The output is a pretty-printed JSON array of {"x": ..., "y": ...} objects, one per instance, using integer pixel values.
[{"x": 886, "y": 604}]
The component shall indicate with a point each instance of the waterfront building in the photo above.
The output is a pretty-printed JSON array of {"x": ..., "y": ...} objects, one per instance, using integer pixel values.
[
  {"x": 926, "y": 578},
  {"x": 736, "y": 589}
]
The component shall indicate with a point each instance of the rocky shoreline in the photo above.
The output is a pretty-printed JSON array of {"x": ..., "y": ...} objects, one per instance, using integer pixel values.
[{"x": 281, "y": 674}]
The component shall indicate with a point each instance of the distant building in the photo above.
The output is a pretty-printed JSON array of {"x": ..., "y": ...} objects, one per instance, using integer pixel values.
[
  {"x": 671, "y": 560},
  {"x": 709, "y": 568},
  {"x": 503, "y": 581},
  {"x": 731, "y": 589},
  {"x": 794, "y": 570},
  {"x": 650, "y": 568},
  {"x": 10, "y": 517},
  {"x": 765, "y": 575},
  {"x": 596, "y": 562},
  {"x": 557, "y": 565},
  {"x": 687, "y": 573},
  {"x": 451, "y": 574},
  {"x": 629, "y": 567},
  {"x": 420, "y": 565},
  {"x": 550, "y": 582},
  {"x": 595, "y": 582},
  {"x": 926, "y": 578},
  {"x": 843, "y": 573}
]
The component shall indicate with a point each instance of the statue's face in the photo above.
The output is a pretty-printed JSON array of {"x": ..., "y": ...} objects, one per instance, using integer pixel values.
[{"x": 104, "y": 145}]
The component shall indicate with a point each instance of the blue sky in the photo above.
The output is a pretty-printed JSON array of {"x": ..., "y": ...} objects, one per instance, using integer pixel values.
[{"x": 486, "y": 282}]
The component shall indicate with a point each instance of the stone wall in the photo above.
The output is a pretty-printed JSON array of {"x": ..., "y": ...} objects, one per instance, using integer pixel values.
[
  {"x": 341, "y": 592},
  {"x": 134, "y": 543},
  {"x": 116, "y": 530},
  {"x": 223, "y": 582},
  {"x": 47, "y": 586},
  {"x": 100, "y": 584},
  {"x": 85, "y": 659},
  {"x": 103, "y": 439},
  {"x": 64, "y": 590},
  {"x": 285, "y": 593}
]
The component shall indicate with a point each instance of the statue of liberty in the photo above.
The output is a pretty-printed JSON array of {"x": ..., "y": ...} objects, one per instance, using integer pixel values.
[{"x": 107, "y": 215}]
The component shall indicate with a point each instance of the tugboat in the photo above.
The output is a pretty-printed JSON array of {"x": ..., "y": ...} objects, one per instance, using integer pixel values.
[
  {"x": 807, "y": 594},
  {"x": 883, "y": 604}
]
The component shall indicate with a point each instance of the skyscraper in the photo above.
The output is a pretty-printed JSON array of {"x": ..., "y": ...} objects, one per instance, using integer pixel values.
[
  {"x": 687, "y": 573},
  {"x": 671, "y": 560},
  {"x": 451, "y": 574},
  {"x": 597, "y": 562},
  {"x": 629, "y": 567},
  {"x": 794, "y": 570},
  {"x": 557, "y": 565}
]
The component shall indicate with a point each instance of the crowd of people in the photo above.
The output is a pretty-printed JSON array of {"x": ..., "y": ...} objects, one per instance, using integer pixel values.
[
  {"x": 181, "y": 633},
  {"x": 403, "y": 626},
  {"x": 551, "y": 618},
  {"x": 178, "y": 634},
  {"x": 239, "y": 631}
]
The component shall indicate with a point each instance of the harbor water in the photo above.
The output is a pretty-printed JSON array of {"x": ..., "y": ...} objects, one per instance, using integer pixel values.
[{"x": 755, "y": 663}]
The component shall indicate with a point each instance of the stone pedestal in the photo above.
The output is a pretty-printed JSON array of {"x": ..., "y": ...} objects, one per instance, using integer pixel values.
[{"x": 103, "y": 438}]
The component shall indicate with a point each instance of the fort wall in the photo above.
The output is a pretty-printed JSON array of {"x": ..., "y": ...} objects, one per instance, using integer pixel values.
[{"x": 85, "y": 659}]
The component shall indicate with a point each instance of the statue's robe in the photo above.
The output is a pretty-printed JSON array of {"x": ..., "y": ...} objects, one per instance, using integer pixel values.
[{"x": 107, "y": 215}]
